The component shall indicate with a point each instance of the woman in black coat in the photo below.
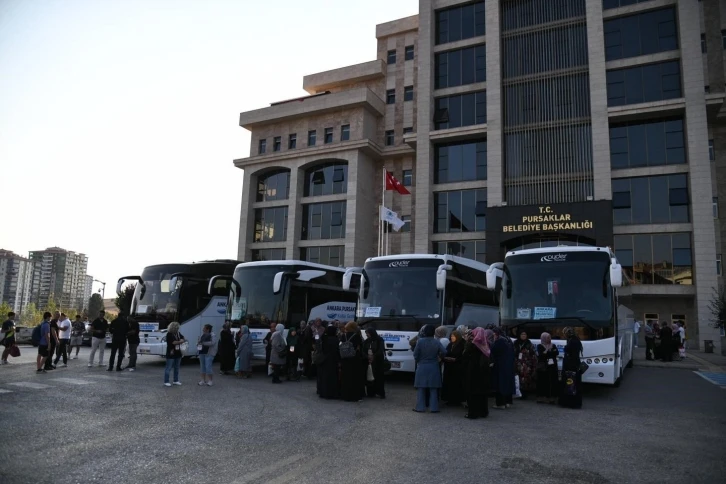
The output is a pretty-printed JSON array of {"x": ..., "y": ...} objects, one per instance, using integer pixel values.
[
  {"x": 571, "y": 395},
  {"x": 226, "y": 350},
  {"x": 328, "y": 384},
  {"x": 452, "y": 390},
  {"x": 373, "y": 354},
  {"x": 547, "y": 377},
  {"x": 476, "y": 379},
  {"x": 666, "y": 342},
  {"x": 352, "y": 376}
]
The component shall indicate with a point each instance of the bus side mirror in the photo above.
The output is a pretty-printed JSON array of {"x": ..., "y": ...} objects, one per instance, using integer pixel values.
[
  {"x": 212, "y": 281},
  {"x": 277, "y": 282},
  {"x": 173, "y": 283},
  {"x": 616, "y": 274},
  {"x": 118, "y": 286},
  {"x": 494, "y": 271},
  {"x": 441, "y": 276},
  {"x": 348, "y": 276}
]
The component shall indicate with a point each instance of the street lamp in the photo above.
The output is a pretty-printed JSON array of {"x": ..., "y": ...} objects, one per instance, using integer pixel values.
[{"x": 103, "y": 289}]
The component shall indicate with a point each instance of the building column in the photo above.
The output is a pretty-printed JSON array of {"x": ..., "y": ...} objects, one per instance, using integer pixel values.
[
  {"x": 598, "y": 103},
  {"x": 361, "y": 211},
  {"x": 704, "y": 242},
  {"x": 246, "y": 218},
  {"x": 423, "y": 220},
  {"x": 495, "y": 158},
  {"x": 294, "y": 213}
]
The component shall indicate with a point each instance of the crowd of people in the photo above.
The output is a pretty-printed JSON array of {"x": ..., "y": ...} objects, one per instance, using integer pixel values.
[{"x": 664, "y": 341}]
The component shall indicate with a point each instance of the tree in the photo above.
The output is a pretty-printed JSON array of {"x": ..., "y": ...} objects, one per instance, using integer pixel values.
[
  {"x": 95, "y": 304},
  {"x": 123, "y": 300},
  {"x": 717, "y": 306},
  {"x": 5, "y": 308},
  {"x": 30, "y": 316}
]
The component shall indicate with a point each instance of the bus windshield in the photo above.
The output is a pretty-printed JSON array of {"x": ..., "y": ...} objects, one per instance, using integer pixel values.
[
  {"x": 155, "y": 299},
  {"x": 400, "y": 291},
  {"x": 256, "y": 305},
  {"x": 547, "y": 292}
]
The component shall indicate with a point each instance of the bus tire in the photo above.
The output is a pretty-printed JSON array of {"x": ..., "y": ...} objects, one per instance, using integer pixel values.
[
  {"x": 630, "y": 363},
  {"x": 619, "y": 380}
]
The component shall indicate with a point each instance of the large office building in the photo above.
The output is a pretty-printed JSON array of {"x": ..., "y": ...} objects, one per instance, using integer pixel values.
[
  {"x": 15, "y": 276},
  {"x": 59, "y": 274},
  {"x": 513, "y": 123}
]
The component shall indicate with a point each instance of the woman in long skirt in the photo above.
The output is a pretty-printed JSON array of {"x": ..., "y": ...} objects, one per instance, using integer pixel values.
[
  {"x": 571, "y": 395},
  {"x": 547, "y": 378}
]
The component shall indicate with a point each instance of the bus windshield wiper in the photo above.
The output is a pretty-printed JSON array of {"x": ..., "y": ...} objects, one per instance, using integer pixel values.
[
  {"x": 396, "y": 316},
  {"x": 569, "y": 318}
]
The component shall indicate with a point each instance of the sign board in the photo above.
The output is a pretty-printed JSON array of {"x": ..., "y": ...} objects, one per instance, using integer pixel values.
[{"x": 541, "y": 312}]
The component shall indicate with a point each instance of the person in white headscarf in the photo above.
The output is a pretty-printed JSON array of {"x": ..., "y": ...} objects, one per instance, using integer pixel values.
[{"x": 278, "y": 352}]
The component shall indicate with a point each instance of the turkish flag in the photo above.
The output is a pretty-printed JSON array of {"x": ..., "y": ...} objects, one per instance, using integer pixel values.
[{"x": 393, "y": 184}]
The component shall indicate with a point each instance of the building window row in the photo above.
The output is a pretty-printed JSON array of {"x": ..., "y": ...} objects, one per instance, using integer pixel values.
[
  {"x": 518, "y": 15},
  {"x": 407, "y": 95},
  {"x": 642, "y": 84},
  {"x": 471, "y": 249},
  {"x": 323, "y": 221},
  {"x": 462, "y": 161},
  {"x": 274, "y": 185},
  {"x": 641, "y": 34},
  {"x": 460, "y": 67},
  {"x": 407, "y": 178},
  {"x": 332, "y": 256},
  {"x": 459, "y": 23},
  {"x": 326, "y": 179},
  {"x": 460, "y": 211},
  {"x": 460, "y": 110},
  {"x": 312, "y": 139},
  {"x": 648, "y": 143},
  {"x": 407, "y": 55},
  {"x": 270, "y": 224},
  {"x": 268, "y": 254},
  {"x": 656, "y": 258},
  {"x": 650, "y": 200},
  {"x": 608, "y": 4},
  {"x": 544, "y": 51},
  {"x": 406, "y": 219}
]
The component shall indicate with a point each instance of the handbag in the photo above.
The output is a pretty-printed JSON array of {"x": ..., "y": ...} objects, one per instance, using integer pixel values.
[
  {"x": 318, "y": 357},
  {"x": 236, "y": 365},
  {"x": 369, "y": 373},
  {"x": 347, "y": 349},
  {"x": 583, "y": 367},
  {"x": 14, "y": 351}
]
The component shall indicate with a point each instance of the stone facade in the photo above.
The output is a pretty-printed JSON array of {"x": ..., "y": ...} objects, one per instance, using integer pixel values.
[{"x": 357, "y": 96}]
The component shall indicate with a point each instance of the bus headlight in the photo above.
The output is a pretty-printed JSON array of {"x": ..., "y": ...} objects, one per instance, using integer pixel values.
[
  {"x": 597, "y": 360},
  {"x": 589, "y": 361}
]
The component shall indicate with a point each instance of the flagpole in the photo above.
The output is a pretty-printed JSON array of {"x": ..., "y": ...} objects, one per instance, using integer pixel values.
[
  {"x": 388, "y": 225},
  {"x": 380, "y": 208}
]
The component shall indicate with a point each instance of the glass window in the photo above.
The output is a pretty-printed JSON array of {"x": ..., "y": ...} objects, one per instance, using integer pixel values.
[
  {"x": 323, "y": 221},
  {"x": 390, "y": 138},
  {"x": 270, "y": 224},
  {"x": 274, "y": 185},
  {"x": 345, "y": 132},
  {"x": 408, "y": 93},
  {"x": 262, "y": 147},
  {"x": 406, "y": 223},
  {"x": 650, "y": 200},
  {"x": 650, "y": 143},
  {"x": 276, "y": 143},
  {"x": 715, "y": 207},
  {"x": 328, "y": 135},
  {"x": 407, "y": 178},
  {"x": 460, "y": 67},
  {"x": 460, "y": 211},
  {"x": 711, "y": 151},
  {"x": 332, "y": 255},
  {"x": 268, "y": 254},
  {"x": 391, "y": 56},
  {"x": 463, "y": 161},
  {"x": 409, "y": 52},
  {"x": 647, "y": 83},
  {"x": 407, "y": 130},
  {"x": 655, "y": 259},
  {"x": 326, "y": 179},
  {"x": 460, "y": 110},
  {"x": 459, "y": 23},
  {"x": 391, "y": 96},
  {"x": 607, "y": 4},
  {"x": 471, "y": 249},
  {"x": 292, "y": 142},
  {"x": 312, "y": 137},
  {"x": 642, "y": 34}
]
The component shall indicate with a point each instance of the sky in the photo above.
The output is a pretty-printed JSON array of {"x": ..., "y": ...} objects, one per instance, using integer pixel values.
[{"x": 119, "y": 119}]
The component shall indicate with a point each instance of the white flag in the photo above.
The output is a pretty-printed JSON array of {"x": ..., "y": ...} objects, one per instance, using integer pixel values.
[{"x": 391, "y": 217}]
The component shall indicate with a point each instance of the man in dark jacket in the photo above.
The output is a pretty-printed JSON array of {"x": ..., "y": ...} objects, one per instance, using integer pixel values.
[
  {"x": 119, "y": 332},
  {"x": 134, "y": 340}
]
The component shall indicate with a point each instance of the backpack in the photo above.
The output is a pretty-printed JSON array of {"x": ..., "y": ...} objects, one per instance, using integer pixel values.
[
  {"x": 35, "y": 337},
  {"x": 347, "y": 349}
]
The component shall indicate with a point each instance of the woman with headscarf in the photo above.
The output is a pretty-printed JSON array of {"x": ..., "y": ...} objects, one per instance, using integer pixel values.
[
  {"x": 352, "y": 376},
  {"x": 440, "y": 335},
  {"x": 293, "y": 350},
  {"x": 571, "y": 376},
  {"x": 428, "y": 353},
  {"x": 373, "y": 354},
  {"x": 666, "y": 342},
  {"x": 476, "y": 379},
  {"x": 525, "y": 358},
  {"x": 278, "y": 352},
  {"x": 452, "y": 389},
  {"x": 327, "y": 372},
  {"x": 502, "y": 355},
  {"x": 656, "y": 342},
  {"x": 676, "y": 344},
  {"x": 226, "y": 350},
  {"x": 547, "y": 378},
  {"x": 244, "y": 352}
]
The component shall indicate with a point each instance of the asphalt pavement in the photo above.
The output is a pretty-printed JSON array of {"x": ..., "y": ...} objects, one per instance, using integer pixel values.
[{"x": 86, "y": 425}]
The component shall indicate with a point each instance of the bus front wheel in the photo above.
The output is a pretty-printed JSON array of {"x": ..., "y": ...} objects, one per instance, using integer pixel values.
[{"x": 619, "y": 380}]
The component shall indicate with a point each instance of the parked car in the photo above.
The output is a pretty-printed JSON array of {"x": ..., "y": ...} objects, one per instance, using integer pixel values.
[
  {"x": 23, "y": 335},
  {"x": 87, "y": 335}
]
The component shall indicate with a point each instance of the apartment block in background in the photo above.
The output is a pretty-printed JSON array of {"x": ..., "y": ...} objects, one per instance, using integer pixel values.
[
  {"x": 15, "y": 278},
  {"x": 60, "y": 274}
]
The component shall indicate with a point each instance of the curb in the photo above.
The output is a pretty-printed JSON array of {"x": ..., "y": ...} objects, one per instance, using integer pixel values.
[{"x": 673, "y": 365}]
